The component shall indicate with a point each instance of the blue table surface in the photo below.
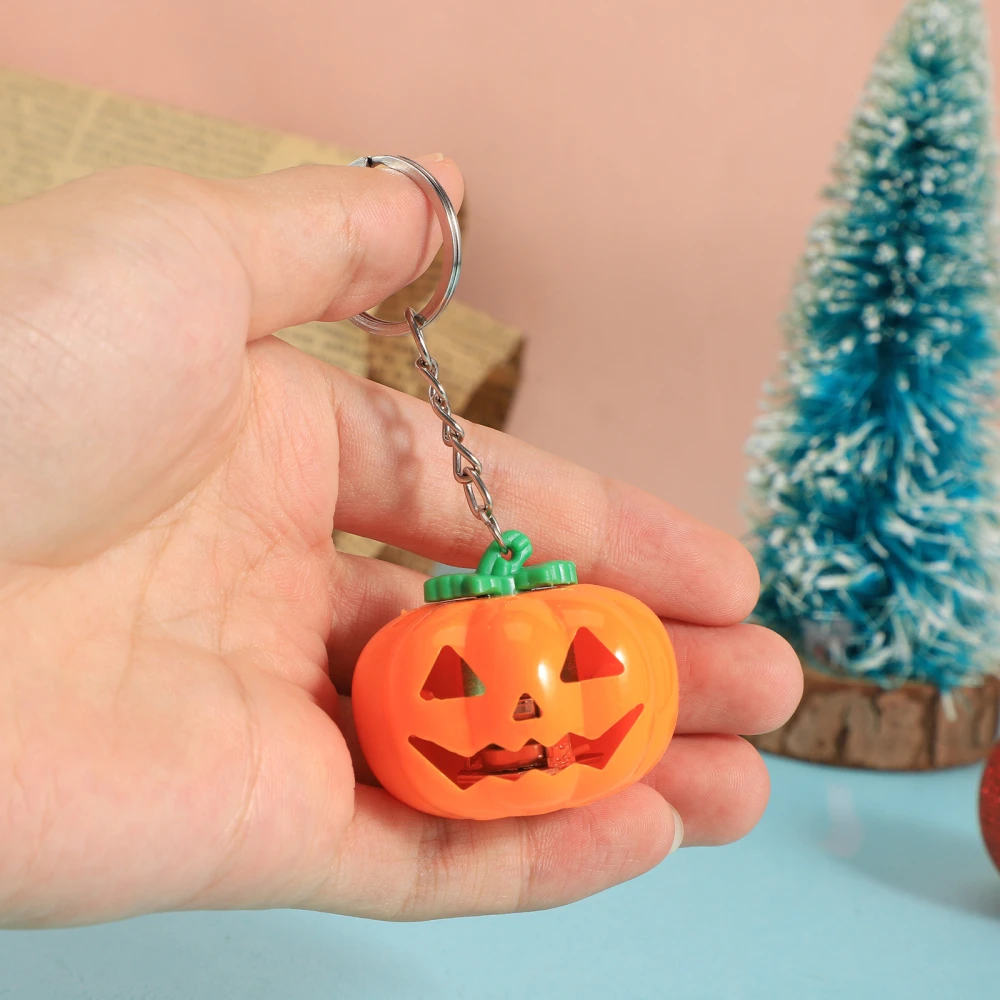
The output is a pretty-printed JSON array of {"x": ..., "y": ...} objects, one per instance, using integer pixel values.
[{"x": 855, "y": 884}]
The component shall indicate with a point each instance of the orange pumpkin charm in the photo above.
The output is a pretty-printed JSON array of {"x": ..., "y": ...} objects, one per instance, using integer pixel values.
[{"x": 540, "y": 694}]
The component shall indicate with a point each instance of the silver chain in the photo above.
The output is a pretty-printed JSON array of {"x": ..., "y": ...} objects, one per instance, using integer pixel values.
[{"x": 466, "y": 468}]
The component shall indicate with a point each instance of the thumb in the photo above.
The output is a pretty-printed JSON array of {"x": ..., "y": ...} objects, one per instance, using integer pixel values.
[
  {"x": 329, "y": 242},
  {"x": 127, "y": 301}
]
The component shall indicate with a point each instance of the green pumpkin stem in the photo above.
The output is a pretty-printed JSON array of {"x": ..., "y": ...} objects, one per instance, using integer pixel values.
[{"x": 499, "y": 575}]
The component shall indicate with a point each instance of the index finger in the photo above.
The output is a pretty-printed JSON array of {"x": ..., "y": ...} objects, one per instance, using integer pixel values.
[{"x": 396, "y": 486}]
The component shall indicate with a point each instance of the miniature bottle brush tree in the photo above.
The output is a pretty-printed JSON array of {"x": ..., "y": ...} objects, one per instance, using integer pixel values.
[{"x": 875, "y": 505}]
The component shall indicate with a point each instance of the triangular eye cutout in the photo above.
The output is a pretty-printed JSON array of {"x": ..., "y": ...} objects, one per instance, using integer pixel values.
[
  {"x": 588, "y": 658},
  {"x": 451, "y": 677}
]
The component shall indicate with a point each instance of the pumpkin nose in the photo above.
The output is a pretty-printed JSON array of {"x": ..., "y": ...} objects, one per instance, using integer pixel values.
[{"x": 526, "y": 708}]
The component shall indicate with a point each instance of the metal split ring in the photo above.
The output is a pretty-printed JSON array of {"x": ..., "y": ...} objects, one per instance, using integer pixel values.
[{"x": 451, "y": 236}]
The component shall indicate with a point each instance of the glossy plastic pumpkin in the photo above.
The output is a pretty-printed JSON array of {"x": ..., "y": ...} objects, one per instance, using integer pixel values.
[{"x": 516, "y": 691}]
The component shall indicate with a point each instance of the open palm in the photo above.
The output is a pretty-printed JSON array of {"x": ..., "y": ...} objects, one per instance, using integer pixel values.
[{"x": 175, "y": 623}]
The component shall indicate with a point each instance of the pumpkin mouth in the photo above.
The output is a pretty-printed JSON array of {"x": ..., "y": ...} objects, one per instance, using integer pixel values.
[{"x": 497, "y": 762}]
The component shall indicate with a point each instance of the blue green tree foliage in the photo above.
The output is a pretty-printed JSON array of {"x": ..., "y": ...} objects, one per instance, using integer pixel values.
[{"x": 875, "y": 506}]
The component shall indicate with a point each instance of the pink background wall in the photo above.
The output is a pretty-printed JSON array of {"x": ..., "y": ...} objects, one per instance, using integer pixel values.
[{"x": 641, "y": 175}]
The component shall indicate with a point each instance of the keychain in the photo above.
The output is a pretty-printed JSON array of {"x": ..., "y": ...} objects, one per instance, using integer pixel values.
[{"x": 515, "y": 690}]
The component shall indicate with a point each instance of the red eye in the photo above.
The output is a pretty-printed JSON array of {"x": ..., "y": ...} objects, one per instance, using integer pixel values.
[
  {"x": 451, "y": 677},
  {"x": 588, "y": 658}
]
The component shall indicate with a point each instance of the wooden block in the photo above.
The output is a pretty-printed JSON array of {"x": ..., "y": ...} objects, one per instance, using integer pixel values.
[{"x": 849, "y": 722}]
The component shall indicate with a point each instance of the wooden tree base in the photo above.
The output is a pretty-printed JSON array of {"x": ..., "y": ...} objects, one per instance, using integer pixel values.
[{"x": 854, "y": 723}]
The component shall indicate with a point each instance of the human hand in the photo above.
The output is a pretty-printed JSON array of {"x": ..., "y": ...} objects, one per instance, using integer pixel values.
[{"x": 175, "y": 623}]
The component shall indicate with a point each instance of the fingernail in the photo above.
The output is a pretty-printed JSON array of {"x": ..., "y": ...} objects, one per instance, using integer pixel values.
[
  {"x": 678, "y": 831},
  {"x": 432, "y": 158}
]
